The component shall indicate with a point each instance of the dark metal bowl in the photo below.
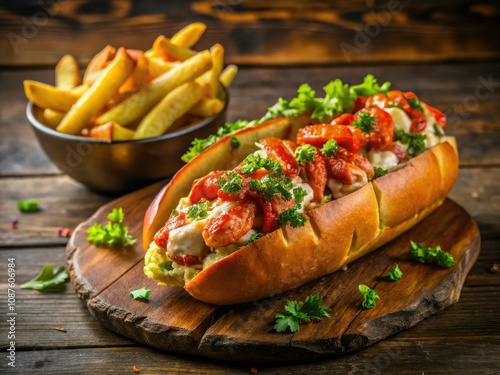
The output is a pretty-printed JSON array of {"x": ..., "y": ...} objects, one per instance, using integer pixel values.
[{"x": 121, "y": 166}]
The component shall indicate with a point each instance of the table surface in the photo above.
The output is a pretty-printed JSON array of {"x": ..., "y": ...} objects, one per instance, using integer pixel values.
[{"x": 447, "y": 54}]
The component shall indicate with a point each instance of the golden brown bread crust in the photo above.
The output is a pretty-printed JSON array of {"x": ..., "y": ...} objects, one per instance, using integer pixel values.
[{"x": 337, "y": 233}]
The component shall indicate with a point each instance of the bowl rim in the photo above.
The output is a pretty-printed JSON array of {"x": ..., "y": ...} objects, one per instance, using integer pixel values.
[{"x": 52, "y": 132}]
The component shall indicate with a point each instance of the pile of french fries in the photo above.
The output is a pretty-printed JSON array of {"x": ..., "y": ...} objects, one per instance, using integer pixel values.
[{"x": 129, "y": 94}]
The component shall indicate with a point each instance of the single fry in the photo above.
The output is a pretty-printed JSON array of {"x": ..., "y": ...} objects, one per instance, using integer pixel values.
[
  {"x": 207, "y": 107},
  {"x": 79, "y": 90},
  {"x": 98, "y": 63},
  {"x": 47, "y": 96},
  {"x": 163, "y": 48},
  {"x": 171, "y": 108},
  {"x": 217, "y": 52},
  {"x": 98, "y": 94},
  {"x": 158, "y": 66},
  {"x": 67, "y": 73},
  {"x": 189, "y": 35},
  {"x": 228, "y": 74},
  {"x": 138, "y": 77},
  {"x": 138, "y": 104},
  {"x": 111, "y": 131},
  {"x": 52, "y": 117}
]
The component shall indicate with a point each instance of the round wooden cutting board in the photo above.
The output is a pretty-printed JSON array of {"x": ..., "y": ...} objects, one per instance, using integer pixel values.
[{"x": 174, "y": 321}]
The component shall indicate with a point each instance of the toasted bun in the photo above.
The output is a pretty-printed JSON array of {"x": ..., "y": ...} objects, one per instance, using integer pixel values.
[{"x": 335, "y": 234}]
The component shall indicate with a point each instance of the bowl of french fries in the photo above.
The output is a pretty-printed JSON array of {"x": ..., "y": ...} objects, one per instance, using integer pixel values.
[{"x": 126, "y": 121}]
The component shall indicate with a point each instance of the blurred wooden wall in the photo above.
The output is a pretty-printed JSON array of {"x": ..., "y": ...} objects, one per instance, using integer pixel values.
[{"x": 39, "y": 32}]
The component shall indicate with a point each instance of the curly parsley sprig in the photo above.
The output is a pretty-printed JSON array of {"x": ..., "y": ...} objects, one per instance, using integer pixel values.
[
  {"x": 297, "y": 312},
  {"x": 434, "y": 255},
  {"x": 230, "y": 183},
  {"x": 113, "y": 234},
  {"x": 413, "y": 142},
  {"x": 369, "y": 297}
]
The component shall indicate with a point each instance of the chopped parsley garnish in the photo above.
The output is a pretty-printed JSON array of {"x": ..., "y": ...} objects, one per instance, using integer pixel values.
[
  {"x": 394, "y": 274},
  {"x": 305, "y": 153},
  {"x": 293, "y": 217},
  {"x": 414, "y": 103},
  {"x": 231, "y": 183},
  {"x": 141, "y": 294},
  {"x": 235, "y": 144},
  {"x": 254, "y": 162},
  {"x": 365, "y": 122},
  {"x": 270, "y": 186},
  {"x": 296, "y": 312},
  {"x": 165, "y": 266},
  {"x": 231, "y": 127},
  {"x": 369, "y": 296},
  {"x": 330, "y": 148},
  {"x": 438, "y": 132},
  {"x": 254, "y": 237},
  {"x": 414, "y": 142},
  {"x": 299, "y": 194},
  {"x": 48, "y": 279},
  {"x": 198, "y": 210},
  {"x": 30, "y": 205},
  {"x": 379, "y": 172},
  {"x": 434, "y": 255},
  {"x": 197, "y": 146},
  {"x": 114, "y": 233}
]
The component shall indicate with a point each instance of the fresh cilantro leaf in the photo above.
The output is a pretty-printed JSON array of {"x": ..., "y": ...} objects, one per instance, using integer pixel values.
[
  {"x": 254, "y": 237},
  {"x": 365, "y": 122},
  {"x": 369, "y": 296},
  {"x": 141, "y": 294},
  {"x": 438, "y": 132},
  {"x": 370, "y": 87},
  {"x": 113, "y": 233},
  {"x": 48, "y": 279},
  {"x": 434, "y": 255},
  {"x": 299, "y": 194},
  {"x": 254, "y": 162},
  {"x": 330, "y": 148},
  {"x": 197, "y": 146},
  {"x": 305, "y": 153},
  {"x": 296, "y": 312},
  {"x": 293, "y": 217},
  {"x": 414, "y": 142},
  {"x": 231, "y": 183},
  {"x": 270, "y": 186},
  {"x": 235, "y": 144},
  {"x": 379, "y": 172},
  {"x": 414, "y": 103},
  {"x": 198, "y": 210},
  {"x": 30, "y": 205},
  {"x": 394, "y": 274},
  {"x": 165, "y": 266}
]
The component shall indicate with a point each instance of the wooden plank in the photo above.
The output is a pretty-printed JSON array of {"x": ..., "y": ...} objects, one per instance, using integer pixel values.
[
  {"x": 397, "y": 356},
  {"x": 451, "y": 88},
  {"x": 257, "y": 32}
]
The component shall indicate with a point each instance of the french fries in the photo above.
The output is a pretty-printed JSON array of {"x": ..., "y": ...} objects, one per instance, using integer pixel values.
[{"x": 127, "y": 94}]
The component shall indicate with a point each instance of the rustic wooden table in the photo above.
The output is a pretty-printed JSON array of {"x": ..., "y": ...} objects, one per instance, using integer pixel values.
[{"x": 449, "y": 55}]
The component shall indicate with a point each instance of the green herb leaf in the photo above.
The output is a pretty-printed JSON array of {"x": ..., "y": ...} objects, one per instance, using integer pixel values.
[
  {"x": 370, "y": 87},
  {"x": 235, "y": 144},
  {"x": 30, "y": 205},
  {"x": 304, "y": 101},
  {"x": 270, "y": 186},
  {"x": 299, "y": 194},
  {"x": 175, "y": 212},
  {"x": 434, "y": 255},
  {"x": 330, "y": 148},
  {"x": 198, "y": 210},
  {"x": 231, "y": 127},
  {"x": 293, "y": 217},
  {"x": 438, "y": 132},
  {"x": 305, "y": 153},
  {"x": 365, "y": 122},
  {"x": 414, "y": 103},
  {"x": 113, "y": 234},
  {"x": 141, "y": 294},
  {"x": 369, "y": 296},
  {"x": 394, "y": 274},
  {"x": 197, "y": 146},
  {"x": 254, "y": 162},
  {"x": 338, "y": 99},
  {"x": 48, "y": 280},
  {"x": 231, "y": 183},
  {"x": 413, "y": 142},
  {"x": 296, "y": 312},
  {"x": 254, "y": 237},
  {"x": 379, "y": 172},
  {"x": 165, "y": 266}
]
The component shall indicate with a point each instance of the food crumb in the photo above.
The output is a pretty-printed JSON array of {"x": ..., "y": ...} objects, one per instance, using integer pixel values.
[
  {"x": 60, "y": 329},
  {"x": 475, "y": 194},
  {"x": 14, "y": 223},
  {"x": 345, "y": 267},
  {"x": 495, "y": 268},
  {"x": 253, "y": 370},
  {"x": 136, "y": 369}
]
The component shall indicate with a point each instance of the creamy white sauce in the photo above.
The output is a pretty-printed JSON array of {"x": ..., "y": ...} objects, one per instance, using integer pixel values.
[
  {"x": 401, "y": 120},
  {"x": 383, "y": 159},
  {"x": 339, "y": 189},
  {"x": 431, "y": 139},
  {"x": 298, "y": 182}
]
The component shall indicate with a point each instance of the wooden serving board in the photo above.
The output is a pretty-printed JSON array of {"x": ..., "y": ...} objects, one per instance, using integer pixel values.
[{"x": 174, "y": 321}]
